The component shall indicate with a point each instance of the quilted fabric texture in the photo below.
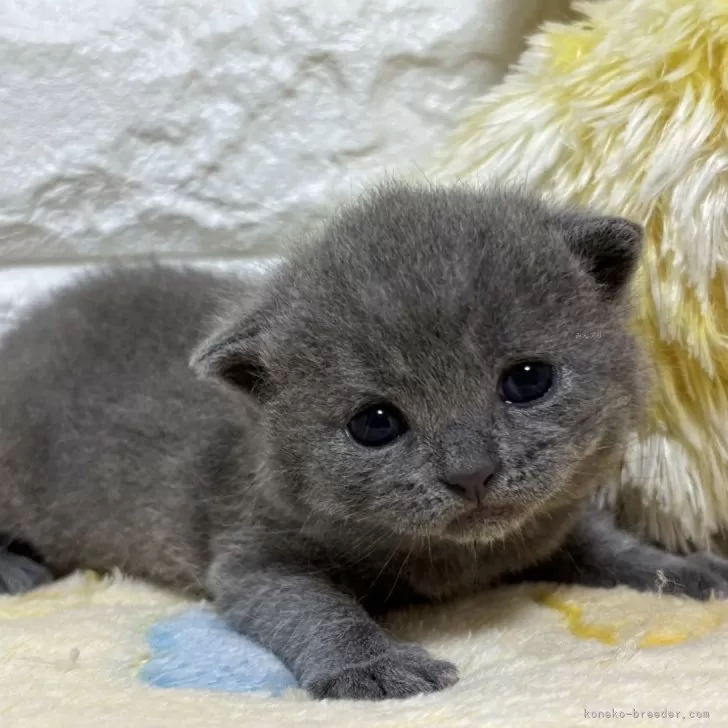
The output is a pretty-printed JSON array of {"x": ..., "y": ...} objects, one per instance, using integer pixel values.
[
  {"x": 214, "y": 127},
  {"x": 218, "y": 128}
]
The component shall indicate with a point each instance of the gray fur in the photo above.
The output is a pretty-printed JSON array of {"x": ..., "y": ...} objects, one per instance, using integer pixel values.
[{"x": 234, "y": 478}]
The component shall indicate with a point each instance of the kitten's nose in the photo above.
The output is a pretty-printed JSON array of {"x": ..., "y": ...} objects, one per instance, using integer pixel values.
[{"x": 472, "y": 486}]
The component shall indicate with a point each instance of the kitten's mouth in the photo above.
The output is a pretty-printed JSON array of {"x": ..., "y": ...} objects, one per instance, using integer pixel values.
[{"x": 484, "y": 515}]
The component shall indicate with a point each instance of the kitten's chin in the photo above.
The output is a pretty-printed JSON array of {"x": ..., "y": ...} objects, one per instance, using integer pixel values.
[
  {"x": 486, "y": 524},
  {"x": 481, "y": 525}
]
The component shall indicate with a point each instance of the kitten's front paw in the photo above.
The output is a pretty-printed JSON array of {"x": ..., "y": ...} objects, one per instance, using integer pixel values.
[
  {"x": 402, "y": 671},
  {"x": 699, "y": 576}
]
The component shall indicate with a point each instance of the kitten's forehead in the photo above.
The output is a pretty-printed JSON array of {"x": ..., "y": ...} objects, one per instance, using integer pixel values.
[
  {"x": 440, "y": 243},
  {"x": 438, "y": 279},
  {"x": 413, "y": 257},
  {"x": 445, "y": 235}
]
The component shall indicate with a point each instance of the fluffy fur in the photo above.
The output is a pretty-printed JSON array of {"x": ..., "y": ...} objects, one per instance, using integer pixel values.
[
  {"x": 626, "y": 110},
  {"x": 245, "y": 486}
]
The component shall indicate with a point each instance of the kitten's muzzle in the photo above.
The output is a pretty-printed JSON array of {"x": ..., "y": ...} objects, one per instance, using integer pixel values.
[{"x": 472, "y": 486}]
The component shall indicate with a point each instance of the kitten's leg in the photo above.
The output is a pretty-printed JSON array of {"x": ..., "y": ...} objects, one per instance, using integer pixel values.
[
  {"x": 329, "y": 642},
  {"x": 598, "y": 554},
  {"x": 19, "y": 572}
]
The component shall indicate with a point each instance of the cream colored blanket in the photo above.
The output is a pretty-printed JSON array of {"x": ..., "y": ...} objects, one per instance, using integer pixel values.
[{"x": 75, "y": 654}]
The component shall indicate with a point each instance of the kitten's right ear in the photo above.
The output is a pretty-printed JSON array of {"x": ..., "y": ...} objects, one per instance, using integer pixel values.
[
  {"x": 608, "y": 247},
  {"x": 234, "y": 355}
]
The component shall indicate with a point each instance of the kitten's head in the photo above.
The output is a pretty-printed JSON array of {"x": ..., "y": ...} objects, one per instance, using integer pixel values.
[{"x": 441, "y": 362}]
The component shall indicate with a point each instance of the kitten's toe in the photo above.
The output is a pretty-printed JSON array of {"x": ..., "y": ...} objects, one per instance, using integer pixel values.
[
  {"x": 714, "y": 571},
  {"x": 699, "y": 576},
  {"x": 694, "y": 583},
  {"x": 439, "y": 674},
  {"x": 20, "y": 574},
  {"x": 691, "y": 576},
  {"x": 402, "y": 672}
]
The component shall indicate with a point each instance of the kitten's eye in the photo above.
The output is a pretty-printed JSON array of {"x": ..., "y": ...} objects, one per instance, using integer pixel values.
[
  {"x": 526, "y": 382},
  {"x": 377, "y": 425}
]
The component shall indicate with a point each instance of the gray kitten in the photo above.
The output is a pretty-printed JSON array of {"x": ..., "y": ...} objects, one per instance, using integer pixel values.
[{"x": 414, "y": 406}]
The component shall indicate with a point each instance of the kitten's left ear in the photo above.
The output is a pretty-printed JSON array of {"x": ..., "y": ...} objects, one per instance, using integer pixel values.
[
  {"x": 609, "y": 247},
  {"x": 234, "y": 355}
]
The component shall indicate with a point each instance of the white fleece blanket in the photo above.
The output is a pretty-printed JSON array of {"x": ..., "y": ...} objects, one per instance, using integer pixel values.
[{"x": 81, "y": 653}]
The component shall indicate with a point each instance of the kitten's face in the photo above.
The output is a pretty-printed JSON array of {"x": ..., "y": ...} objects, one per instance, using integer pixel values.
[{"x": 445, "y": 364}]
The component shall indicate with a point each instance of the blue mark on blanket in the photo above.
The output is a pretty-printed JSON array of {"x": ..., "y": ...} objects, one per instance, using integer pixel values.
[{"x": 198, "y": 650}]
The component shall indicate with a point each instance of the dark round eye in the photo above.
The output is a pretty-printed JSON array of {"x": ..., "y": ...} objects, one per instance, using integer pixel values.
[
  {"x": 377, "y": 425},
  {"x": 527, "y": 381}
]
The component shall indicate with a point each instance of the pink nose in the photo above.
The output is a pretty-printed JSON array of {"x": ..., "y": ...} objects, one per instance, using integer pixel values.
[{"x": 472, "y": 486}]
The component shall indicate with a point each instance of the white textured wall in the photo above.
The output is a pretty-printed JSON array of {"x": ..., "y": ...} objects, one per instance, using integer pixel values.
[{"x": 215, "y": 127}]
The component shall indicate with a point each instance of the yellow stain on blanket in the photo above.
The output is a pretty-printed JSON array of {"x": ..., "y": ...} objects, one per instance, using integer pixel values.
[
  {"x": 670, "y": 621},
  {"x": 575, "y": 621}
]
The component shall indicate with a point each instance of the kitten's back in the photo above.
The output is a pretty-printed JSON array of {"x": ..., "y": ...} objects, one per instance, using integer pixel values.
[{"x": 97, "y": 405}]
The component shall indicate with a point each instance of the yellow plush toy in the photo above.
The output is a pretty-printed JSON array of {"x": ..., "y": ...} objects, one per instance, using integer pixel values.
[{"x": 627, "y": 111}]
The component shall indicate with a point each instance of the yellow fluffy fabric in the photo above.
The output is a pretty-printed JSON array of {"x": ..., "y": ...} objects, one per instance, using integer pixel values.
[
  {"x": 71, "y": 656},
  {"x": 626, "y": 111}
]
